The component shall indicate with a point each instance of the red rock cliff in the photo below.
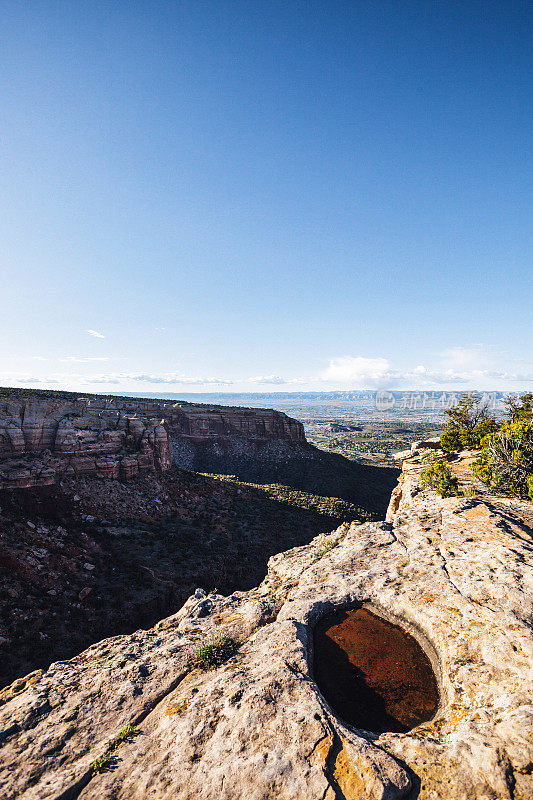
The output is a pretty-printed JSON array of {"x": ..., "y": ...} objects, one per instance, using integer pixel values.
[
  {"x": 205, "y": 421},
  {"x": 42, "y": 439}
]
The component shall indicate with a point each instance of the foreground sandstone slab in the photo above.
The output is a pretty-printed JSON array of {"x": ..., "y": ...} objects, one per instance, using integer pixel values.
[{"x": 453, "y": 572}]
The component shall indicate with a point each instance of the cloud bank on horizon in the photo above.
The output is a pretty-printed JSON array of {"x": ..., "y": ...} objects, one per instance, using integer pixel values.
[{"x": 455, "y": 368}]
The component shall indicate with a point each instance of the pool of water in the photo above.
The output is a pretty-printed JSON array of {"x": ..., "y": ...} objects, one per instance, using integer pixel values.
[{"x": 374, "y": 674}]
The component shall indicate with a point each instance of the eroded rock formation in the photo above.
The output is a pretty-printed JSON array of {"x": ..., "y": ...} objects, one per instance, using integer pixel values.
[
  {"x": 453, "y": 572},
  {"x": 218, "y": 438},
  {"x": 201, "y": 421},
  {"x": 42, "y": 440}
]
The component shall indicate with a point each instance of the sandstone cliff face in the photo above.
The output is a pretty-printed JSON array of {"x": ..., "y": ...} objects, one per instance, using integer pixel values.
[
  {"x": 216, "y": 438},
  {"x": 198, "y": 422},
  {"x": 42, "y": 440},
  {"x": 453, "y": 572}
]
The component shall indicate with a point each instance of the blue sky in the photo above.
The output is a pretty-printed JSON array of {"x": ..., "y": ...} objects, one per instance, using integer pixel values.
[{"x": 264, "y": 195}]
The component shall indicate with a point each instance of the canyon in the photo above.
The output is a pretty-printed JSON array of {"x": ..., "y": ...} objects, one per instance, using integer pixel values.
[
  {"x": 44, "y": 439},
  {"x": 103, "y": 529},
  {"x": 139, "y": 715}
]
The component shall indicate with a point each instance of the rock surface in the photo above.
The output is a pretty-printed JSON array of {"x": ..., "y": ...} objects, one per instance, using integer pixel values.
[
  {"x": 220, "y": 438},
  {"x": 44, "y": 439},
  {"x": 453, "y": 572}
]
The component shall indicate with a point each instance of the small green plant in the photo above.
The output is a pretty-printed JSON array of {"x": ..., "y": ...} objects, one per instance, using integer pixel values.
[
  {"x": 214, "y": 652},
  {"x": 437, "y": 476},
  {"x": 108, "y": 760},
  {"x": 105, "y": 762},
  {"x": 329, "y": 544},
  {"x": 126, "y": 734}
]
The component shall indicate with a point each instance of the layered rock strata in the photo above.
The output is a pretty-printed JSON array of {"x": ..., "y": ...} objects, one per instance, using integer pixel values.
[
  {"x": 453, "y": 572},
  {"x": 201, "y": 421},
  {"x": 220, "y": 438},
  {"x": 43, "y": 440}
]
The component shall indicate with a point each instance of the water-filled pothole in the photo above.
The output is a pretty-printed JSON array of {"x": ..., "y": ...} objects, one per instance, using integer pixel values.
[{"x": 373, "y": 673}]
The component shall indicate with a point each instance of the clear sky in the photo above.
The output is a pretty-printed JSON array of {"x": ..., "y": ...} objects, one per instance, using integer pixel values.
[{"x": 266, "y": 195}]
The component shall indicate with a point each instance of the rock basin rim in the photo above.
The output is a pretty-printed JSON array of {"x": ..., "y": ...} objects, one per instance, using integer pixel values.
[{"x": 406, "y": 625}]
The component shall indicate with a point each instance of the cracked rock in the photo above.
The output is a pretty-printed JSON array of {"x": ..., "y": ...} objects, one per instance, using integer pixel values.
[{"x": 454, "y": 573}]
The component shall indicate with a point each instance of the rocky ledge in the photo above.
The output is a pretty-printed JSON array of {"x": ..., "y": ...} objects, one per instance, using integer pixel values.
[{"x": 453, "y": 572}]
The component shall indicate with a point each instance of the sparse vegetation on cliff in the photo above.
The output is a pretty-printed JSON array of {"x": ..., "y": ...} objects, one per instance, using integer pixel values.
[
  {"x": 468, "y": 422},
  {"x": 333, "y": 507},
  {"x": 437, "y": 476},
  {"x": 214, "y": 652},
  {"x": 108, "y": 759},
  {"x": 506, "y": 459},
  {"x": 505, "y": 463}
]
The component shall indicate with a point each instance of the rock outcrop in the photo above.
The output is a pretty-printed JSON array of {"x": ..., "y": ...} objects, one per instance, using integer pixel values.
[
  {"x": 43, "y": 440},
  {"x": 205, "y": 421},
  {"x": 220, "y": 438},
  {"x": 454, "y": 572}
]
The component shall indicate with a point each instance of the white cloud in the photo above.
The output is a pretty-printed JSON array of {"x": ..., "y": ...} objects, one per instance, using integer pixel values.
[
  {"x": 38, "y": 358},
  {"x": 75, "y": 359},
  {"x": 277, "y": 380},
  {"x": 463, "y": 367},
  {"x": 22, "y": 379},
  {"x": 96, "y": 334},
  {"x": 103, "y": 379},
  {"x": 456, "y": 368},
  {"x": 178, "y": 380},
  {"x": 274, "y": 380},
  {"x": 358, "y": 372}
]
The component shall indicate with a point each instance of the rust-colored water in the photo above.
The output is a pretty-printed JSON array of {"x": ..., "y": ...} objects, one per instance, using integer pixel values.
[{"x": 372, "y": 673}]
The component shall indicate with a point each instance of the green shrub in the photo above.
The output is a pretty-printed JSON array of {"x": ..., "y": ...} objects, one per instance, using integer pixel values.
[
  {"x": 451, "y": 438},
  {"x": 438, "y": 477},
  {"x": 519, "y": 408},
  {"x": 126, "y": 734},
  {"x": 329, "y": 544},
  {"x": 468, "y": 423},
  {"x": 108, "y": 760},
  {"x": 214, "y": 652},
  {"x": 506, "y": 459}
]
